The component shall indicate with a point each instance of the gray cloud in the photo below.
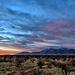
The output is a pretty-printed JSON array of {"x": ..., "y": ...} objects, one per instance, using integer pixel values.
[{"x": 37, "y": 24}]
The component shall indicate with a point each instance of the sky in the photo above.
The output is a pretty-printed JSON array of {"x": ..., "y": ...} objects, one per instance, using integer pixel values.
[{"x": 35, "y": 25}]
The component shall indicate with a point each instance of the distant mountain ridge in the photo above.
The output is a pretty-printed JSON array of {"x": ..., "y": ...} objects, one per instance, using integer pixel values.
[{"x": 51, "y": 51}]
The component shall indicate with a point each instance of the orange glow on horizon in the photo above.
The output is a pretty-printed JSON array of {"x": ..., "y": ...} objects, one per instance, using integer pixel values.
[
  {"x": 2, "y": 53},
  {"x": 10, "y": 50}
]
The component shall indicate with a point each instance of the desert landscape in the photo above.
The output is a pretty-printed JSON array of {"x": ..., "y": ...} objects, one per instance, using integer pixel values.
[
  {"x": 37, "y": 37},
  {"x": 37, "y": 65}
]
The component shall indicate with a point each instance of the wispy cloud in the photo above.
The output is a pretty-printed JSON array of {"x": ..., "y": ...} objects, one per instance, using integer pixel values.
[{"x": 33, "y": 25}]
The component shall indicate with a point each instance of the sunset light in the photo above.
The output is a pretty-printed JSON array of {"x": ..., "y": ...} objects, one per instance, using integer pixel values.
[{"x": 35, "y": 25}]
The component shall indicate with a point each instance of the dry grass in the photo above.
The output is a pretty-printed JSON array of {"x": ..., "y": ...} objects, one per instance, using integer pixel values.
[{"x": 28, "y": 65}]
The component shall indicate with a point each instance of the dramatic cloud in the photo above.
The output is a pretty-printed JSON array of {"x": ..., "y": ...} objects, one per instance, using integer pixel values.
[{"x": 34, "y": 25}]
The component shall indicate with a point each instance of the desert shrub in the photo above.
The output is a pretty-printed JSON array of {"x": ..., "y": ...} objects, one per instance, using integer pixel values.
[
  {"x": 64, "y": 59},
  {"x": 18, "y": 62},
  {"x": 40, "y": 64},
  {"x": 58, "y": 58},
  {"x": 53, "y": 58},
  {"x": 38, "y": 72},
  {"x": 50, "y": 66},
  {"x": 32, "y": 60}
]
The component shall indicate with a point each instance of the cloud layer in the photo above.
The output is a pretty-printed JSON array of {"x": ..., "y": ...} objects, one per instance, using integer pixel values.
[{"x": 34, "y": 25}]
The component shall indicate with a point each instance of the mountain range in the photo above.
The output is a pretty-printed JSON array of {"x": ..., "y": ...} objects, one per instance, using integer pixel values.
[{"x": 51, "y": 51}]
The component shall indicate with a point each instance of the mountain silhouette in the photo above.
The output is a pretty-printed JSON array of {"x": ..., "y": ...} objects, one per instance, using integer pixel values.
[{"x": 51, "y": 51}]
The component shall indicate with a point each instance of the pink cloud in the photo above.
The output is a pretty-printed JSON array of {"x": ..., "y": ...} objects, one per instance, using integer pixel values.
[{"x": 59, "y": 28}]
